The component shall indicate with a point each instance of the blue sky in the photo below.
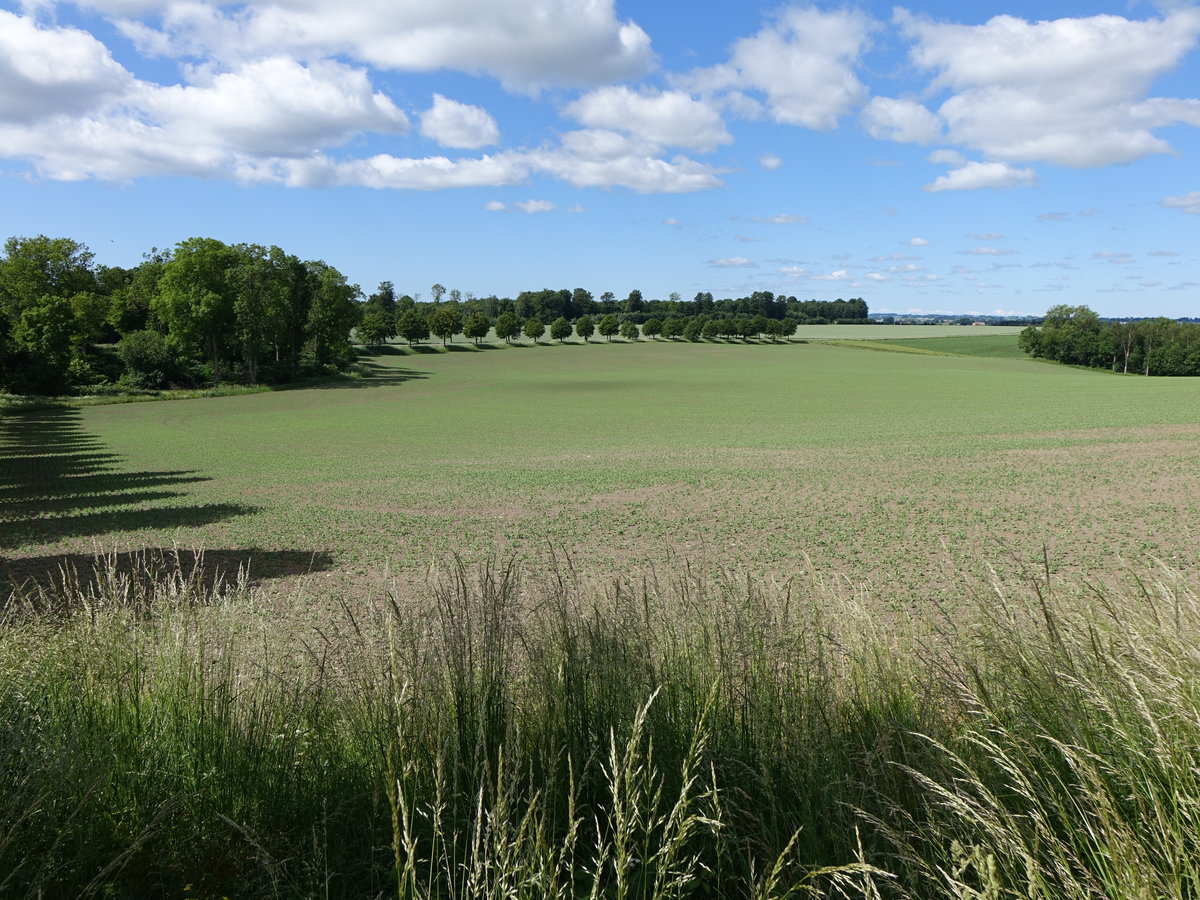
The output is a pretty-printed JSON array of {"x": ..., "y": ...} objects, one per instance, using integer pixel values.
[{"x": 990, "y": 157}]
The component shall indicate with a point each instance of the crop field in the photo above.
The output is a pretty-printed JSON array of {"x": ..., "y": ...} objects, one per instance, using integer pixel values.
[
  {"x": 899, "y": 473},
  {"x": 994, "y": 346},
  {"x": 834, "y": 623}
]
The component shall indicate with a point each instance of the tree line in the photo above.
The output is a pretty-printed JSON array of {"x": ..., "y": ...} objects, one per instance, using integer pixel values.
[
  {"x": 200, "y": 313},
  {"x": 1076, "y": 335},
  {"x": 205, "y": 312},
  {"x": 762, "y": 314}
]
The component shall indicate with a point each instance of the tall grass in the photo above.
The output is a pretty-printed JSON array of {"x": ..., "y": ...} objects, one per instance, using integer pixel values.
[{"x": 679, "y": 736}]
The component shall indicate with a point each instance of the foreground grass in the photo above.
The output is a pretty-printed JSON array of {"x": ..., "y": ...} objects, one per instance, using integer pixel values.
[{"x": 669, "y": 737}]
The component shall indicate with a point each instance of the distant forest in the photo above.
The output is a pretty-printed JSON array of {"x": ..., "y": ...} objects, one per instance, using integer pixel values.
[
  {"x": 1077, "y": 336},
  {"x": 206, "y": 312}
]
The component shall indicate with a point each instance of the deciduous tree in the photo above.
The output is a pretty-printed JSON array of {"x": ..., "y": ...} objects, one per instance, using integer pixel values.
[
  {"x": 609, "y": 326},
  {"x": 560, "y": 329}
]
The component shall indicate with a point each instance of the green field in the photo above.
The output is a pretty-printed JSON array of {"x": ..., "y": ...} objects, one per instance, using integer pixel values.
[
  {"x": 895, "y": 470},
  {"x": 899, "y": 332},
  {"x": 991, "y": 346},
  {"x": 760, "y": 621}
]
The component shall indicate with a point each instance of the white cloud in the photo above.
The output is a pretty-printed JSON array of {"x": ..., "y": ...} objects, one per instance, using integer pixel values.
[
  {"x": 839, "y": 275},
  {"x": 975, "y": 175},
  {"x": 770, "y": 162},
  {"x": 990, "y": 251},
  {"x": 454, "y": 124},
  {"x": 876, "y": 276},
  {"x": 527, "y": 45},
  {"x": 905, "y": 121},
  {"x": 803, "y": 63},
  {"x": 430, "y": 173},
  {"x": 947, "y": 158},
  {"x": 793, "y": 271},
  {"x": 733, "y": 262},
  {"x": 533, "y": 207},
  {"x": 1164, "y": 252},
  {"x": 1189, "y": 203},
  {"x": 781, "y": 219},
  {"x": 984, "y": 236},
  {"x": 494, "y": 206},
  {"x": 918, "y": 242},
  {"x": 576, "y": 209},
  {"x": 1069, "y": 91},
  {"x": 1114, "y": 256},
  {"x": 665, "y": 118},
  {"x": 674, "y": 223},
  {"x": 593, "y": 158},
  {"x": 1053, "y": 217},
  {"x": 274, "y": 106},
  {"x": 53, "y": 71}
]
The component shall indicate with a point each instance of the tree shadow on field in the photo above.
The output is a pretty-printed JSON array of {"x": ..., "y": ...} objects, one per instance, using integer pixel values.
[
  {"x": 89, "y": 572},
  {"x": 376, "y": 376},
  {"x": 57, "y": 483}
]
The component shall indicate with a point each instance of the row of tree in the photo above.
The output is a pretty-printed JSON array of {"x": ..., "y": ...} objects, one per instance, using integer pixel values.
[
  {"x": 385, "y": 308},
  {"x": 203, "y": 312},
  {"x": 1076, "y": 335},
  {"x": 443, "y": 322}
]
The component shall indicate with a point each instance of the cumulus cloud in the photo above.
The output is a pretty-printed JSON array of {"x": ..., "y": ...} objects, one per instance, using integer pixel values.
[
  {"x": 947, "y": 158},
  {"x": 273, "y": 106},
  {"x": 526, "y": 44},
  {"x": 1070, "y": 91},
  {"x": 781, "y": 219},
  {"x": 975, "y": 175},
  {"x": 918, "y": 242},
  {"x": 990, "y": 251},
  {"x": 770, "y": 162},
  {"x": 599, "y": 158},
  {"x": 53, "y": 71},
  {"x": 454, "y": 124},
  {"x": 1053, "y": 217},
  {"x": 984, "y": 236},
  {"x": 733, "y": 262},
  {"x": 1114, "y": 256},
  {"x": 802, "y": 63},
  {"x": 905, "y": 121},
  {"x": 839, "y": 275},
  {"x": 666, "y": 118},
  {"x": 1188, "y": 203},
  {"x": 386, "y": 171},
  {"x": 532, "y": 207},
  {"x": 494, "y": 206}
]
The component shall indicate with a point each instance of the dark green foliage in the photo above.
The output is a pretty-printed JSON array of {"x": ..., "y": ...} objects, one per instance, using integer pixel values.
[
  {"x": 477, "y": 327},
  {"x": 609, "y": 326},
  {"x": 534, "y": 329},
  {"x": 652, "y": 328},
  {"x": 508, "y": 326},
  {"x": 585, "y": 328},
  {"x": 445, "y": 322},
  {"x": 373, "y": 329},
  {"x": 1075, "y": 335},
  {"x": 629, "y": 331},
  {"x": 413, "y": 327},
  {"x": 147, "y": 357},
  {"x": 560, "y": 329}
]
